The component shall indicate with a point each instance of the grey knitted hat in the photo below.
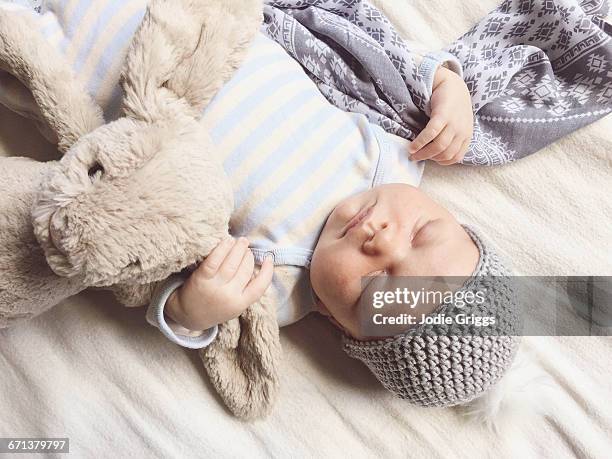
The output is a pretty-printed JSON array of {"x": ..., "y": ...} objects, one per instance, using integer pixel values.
[{"x": 446, "y": 365}]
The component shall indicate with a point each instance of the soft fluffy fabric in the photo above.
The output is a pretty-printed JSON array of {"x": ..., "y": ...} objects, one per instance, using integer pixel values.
[{"x": 121, "y": 382}]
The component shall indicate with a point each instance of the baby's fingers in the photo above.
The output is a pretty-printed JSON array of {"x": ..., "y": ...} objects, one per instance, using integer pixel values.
[
  {"x": 245, "y": 271},
  {"x": 436, "y": 146},
  {"x": 258, "y": 285},
  {"x": 434, "y": 127},
  {"x": 232, "y": 261},
  {"x": 465, "y": 146},
  {"x": 457, "y": 156},
  {"x": 447, "y": 156},
  {"x": 209, "y": 267}
]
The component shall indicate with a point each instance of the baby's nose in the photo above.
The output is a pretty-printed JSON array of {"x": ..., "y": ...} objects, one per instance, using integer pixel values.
[{"x": 375, "y": 227}]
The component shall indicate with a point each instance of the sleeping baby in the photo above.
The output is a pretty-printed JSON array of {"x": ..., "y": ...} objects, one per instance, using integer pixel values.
[{"x": 323, "y": 198}]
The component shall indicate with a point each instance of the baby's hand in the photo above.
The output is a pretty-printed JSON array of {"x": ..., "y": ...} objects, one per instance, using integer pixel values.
[
  {"x": 448, "y": 133},
  {"x": 221, "y": 288}
]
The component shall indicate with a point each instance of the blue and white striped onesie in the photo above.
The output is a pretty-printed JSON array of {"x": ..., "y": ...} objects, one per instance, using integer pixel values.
[{"x": 291, "y": 156}]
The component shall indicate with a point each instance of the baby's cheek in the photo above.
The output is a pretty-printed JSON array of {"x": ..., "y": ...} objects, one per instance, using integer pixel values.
[
  {"x": 338, "y": 273},
  {"x": 346, "y": 285}
]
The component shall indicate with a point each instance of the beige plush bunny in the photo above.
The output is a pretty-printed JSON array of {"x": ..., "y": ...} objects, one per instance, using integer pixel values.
[{"x": 127, "y": 204}]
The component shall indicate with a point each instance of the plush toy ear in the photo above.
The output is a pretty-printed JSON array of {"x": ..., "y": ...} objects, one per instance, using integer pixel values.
[
  {"x": 244, "y": 359},
  {"x": 37, "y": 82},
  {"x": 183, "y": 53}
]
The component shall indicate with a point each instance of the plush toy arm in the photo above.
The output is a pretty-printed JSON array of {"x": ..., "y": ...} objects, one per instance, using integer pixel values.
[{"x": 243, "y": 361}]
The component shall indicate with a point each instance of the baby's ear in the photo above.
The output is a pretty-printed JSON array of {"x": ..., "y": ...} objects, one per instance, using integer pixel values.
[
  {"x": 184, "y": 51},
  {"x": 37, "y": 82}
]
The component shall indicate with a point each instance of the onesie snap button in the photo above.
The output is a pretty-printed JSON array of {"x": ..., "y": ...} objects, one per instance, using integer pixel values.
[{"x": 270, "y": 254}]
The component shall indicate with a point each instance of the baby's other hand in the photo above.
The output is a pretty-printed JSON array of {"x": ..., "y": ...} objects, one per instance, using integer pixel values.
[
  {"x": 448, "y": 133},
  {"x": 221, "y": 288}
]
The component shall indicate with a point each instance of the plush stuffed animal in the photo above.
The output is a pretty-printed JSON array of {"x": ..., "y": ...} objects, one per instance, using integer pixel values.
[{"x": 134, "y": 200}]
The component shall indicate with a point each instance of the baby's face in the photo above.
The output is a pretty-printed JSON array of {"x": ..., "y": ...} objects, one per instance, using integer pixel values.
[{"x": 392, "y": 229}]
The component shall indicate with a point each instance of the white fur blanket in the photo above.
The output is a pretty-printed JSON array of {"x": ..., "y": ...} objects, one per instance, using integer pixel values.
[{"x": 99, "y": 374}]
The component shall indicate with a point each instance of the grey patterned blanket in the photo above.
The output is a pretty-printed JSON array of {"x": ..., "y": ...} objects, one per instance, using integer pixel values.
[{"x": 536, "y": 69}]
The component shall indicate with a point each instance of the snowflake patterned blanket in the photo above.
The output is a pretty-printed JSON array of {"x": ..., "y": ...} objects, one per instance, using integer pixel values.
[{"x": 536, "y": 69}]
